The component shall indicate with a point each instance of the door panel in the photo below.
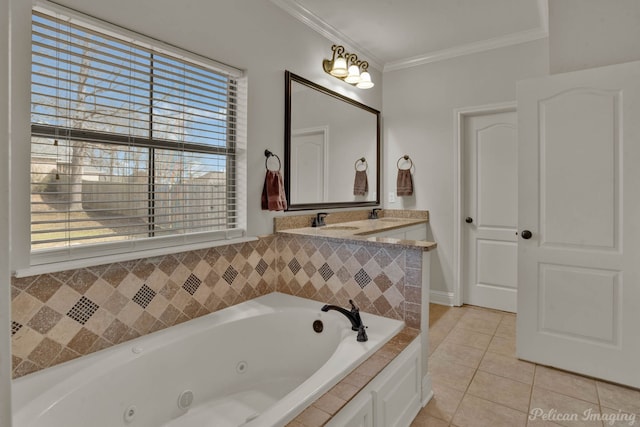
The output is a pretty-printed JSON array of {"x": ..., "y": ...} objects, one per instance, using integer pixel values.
[
  {"x": 563, "y": 313},
  {"x": 308, "y": 182},
  {"x": 490, "y": 185},
  {"x": 579, "y": 274},
  {"x": 566, "y": 138},
  {"x": 497, "y": 167}
]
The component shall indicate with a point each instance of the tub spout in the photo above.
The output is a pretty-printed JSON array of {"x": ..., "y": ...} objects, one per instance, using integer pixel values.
[{"x": 354, "y": 318}]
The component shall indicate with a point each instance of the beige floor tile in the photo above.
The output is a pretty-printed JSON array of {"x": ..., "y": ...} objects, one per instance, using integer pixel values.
[
  {"x": 481, "y": 324},
  {"x": 618, "y": 397},
  {"x": 444, "y": 403},
  {"x": 424, "y": 420},
  {"x": 566, "y": 383},
  {"x": 504, "y": 391},
  {"x": 459, "y": 354},
  {"x": 484, "y": 313},
  {"x": 503, "y": 345},
  {"x": 508, "y": 367},
  {"x": 563, "y": 410},
  {"x": 450, "y": 375},
  {"x": 443, "y": 325},
  {"x": 469, "y": 338},
  {"x": 539, "y": 422},
  {"x": 618, "y": 418},
  {"x": 476, "y": 412},
  {"x": 507, "y": 326},
  {"x": 435, "y": 339}
]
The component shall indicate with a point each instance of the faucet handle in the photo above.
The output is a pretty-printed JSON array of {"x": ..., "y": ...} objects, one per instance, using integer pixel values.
[
  {"x": 362, "y": 334},
  {"x": 353, "y": 306}
]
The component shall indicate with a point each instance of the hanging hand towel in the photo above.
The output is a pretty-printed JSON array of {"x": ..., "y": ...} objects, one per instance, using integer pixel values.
[
  {"x": 360, "y": 185},
  {"x": 273, "y": 195},
  {"x": 404, "y": 183}
]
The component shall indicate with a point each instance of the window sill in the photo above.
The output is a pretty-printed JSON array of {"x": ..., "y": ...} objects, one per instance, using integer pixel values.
[{"x": 57, "y": 266}]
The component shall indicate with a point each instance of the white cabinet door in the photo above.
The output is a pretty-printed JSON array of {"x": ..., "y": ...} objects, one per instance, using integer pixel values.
[
  {"x": 579, "y": 272},
  {"x": 490, "y": 249},
  {"x": 357, "y": 413},
  {"x": 398, "y": 397}
]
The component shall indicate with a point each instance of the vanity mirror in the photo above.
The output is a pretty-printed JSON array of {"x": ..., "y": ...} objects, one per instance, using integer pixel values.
[{"x": 328, "y": 137}]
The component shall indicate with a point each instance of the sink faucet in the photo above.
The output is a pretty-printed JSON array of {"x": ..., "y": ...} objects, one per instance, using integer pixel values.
[
  {"x": 374, "y": 213},
  {"x": 354, "y": 318},
  {"x": 318, "y": 221}
]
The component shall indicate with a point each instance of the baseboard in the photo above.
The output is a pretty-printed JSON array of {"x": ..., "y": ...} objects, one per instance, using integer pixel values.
[
  {"x": 427, "y": 390},
  {"x": 442, "y": 298}
]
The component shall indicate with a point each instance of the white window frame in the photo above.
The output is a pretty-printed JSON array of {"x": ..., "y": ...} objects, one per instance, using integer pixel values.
[{"x": 26, "y": 263}]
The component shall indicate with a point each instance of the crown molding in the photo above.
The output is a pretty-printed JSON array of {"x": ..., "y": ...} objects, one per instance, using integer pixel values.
[
  {"x": 316, "y": 23},
  {"x": 466, "y": 49}
]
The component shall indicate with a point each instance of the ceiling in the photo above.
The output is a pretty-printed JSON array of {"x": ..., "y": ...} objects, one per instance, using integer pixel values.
[{"x": 394, "y": 34}]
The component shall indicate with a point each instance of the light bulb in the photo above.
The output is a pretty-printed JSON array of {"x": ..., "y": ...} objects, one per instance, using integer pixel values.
[
  {"x": 339, "y": 67},
  {"x": 365, "y": 81},
  {"x": 354, "y": 75}
]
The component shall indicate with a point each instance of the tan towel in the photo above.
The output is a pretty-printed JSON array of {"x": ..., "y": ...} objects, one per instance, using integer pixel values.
[
  {"x": 360, "y": 185},
  {"x": 273, "y": 196},
  {"x": 404, "y": 183}
]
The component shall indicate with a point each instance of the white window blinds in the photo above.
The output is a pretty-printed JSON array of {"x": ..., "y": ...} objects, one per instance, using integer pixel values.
[{"x": 128, "y": 142}]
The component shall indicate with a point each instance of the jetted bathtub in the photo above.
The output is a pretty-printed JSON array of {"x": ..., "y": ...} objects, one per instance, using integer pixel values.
[{"x": 254, "y": 364}]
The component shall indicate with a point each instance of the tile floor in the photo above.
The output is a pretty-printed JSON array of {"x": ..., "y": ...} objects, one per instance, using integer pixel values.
[{"x": 478, "y": 381}]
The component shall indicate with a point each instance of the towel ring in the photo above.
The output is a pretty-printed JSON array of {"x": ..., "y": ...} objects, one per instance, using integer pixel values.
[
  {"x": 269, "y": 154},
  {"x": 405, "y": 157},
  {"x": 364, "y": 162}
]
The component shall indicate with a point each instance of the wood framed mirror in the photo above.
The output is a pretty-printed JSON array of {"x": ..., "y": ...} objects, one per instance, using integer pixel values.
[{"x": 328, "y": 137}]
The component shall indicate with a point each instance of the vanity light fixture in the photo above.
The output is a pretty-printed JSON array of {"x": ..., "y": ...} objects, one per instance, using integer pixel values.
[{"x": 347, "y": 67}]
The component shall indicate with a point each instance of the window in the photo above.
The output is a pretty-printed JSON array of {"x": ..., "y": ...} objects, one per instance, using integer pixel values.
[{"x": 129, "y": 143}]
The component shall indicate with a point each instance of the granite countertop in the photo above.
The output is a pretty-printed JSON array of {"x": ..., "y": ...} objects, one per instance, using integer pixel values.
[{"x": 361, "y": 231}]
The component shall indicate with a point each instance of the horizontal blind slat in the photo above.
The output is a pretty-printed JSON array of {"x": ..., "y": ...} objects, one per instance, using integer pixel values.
[{"x": 106, "y": 184}]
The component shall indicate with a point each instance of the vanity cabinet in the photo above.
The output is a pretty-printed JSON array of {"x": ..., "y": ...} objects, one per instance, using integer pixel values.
[
  {"x": 412, "y": 232},
  {"x": 391, "y": 399}
]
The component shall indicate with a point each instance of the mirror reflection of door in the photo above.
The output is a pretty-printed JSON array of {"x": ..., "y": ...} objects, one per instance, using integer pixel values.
[{"x": 309, "y": 175}]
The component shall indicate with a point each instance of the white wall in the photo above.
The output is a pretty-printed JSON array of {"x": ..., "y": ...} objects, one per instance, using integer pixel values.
[
  {"x": 5, "y": 292},
  {"x": 592, "y": 33},
  {"x": 254, "y": 35},
  {"x": 418, "y": 120}
]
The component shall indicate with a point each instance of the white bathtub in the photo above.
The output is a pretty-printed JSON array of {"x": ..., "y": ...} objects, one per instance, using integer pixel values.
[{"x": 258, "y": 363}]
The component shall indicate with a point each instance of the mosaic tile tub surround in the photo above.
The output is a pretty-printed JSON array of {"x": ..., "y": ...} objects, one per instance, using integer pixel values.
[
  {"x": 380, "y": 279},
  {"x": 60, "y": 316}
]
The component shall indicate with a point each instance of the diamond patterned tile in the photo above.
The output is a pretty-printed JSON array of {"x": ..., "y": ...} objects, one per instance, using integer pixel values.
[
  {"x": 15, "y": 327},
  {"x": 192, "y": 284},
  {"x": 144, "y": 296},
  {"x": 294, "y": 266},
  {"x": 325, "y": 271},
  {"x": 230, "y": 275},
  {"x": 97, "y": 315},
  {"x": 362, "y": 278},
  {"x": 261, "y": 267},
  {"x": 82, "y": 310}
]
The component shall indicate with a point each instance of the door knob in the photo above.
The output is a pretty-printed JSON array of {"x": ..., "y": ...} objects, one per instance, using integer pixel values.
[
  {"x": 526, "y": 234},
  {"x": 468, "y": 220}
]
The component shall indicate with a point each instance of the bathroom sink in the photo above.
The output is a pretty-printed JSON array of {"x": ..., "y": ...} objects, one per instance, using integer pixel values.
[{"x": 340, "y": 227}]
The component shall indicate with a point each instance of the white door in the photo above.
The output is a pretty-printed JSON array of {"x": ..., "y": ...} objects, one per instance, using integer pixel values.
[
  {"x": 308, "y": 162},
  {"x": 490, "y": 185},
  {"x": 579, "y": 196}
]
